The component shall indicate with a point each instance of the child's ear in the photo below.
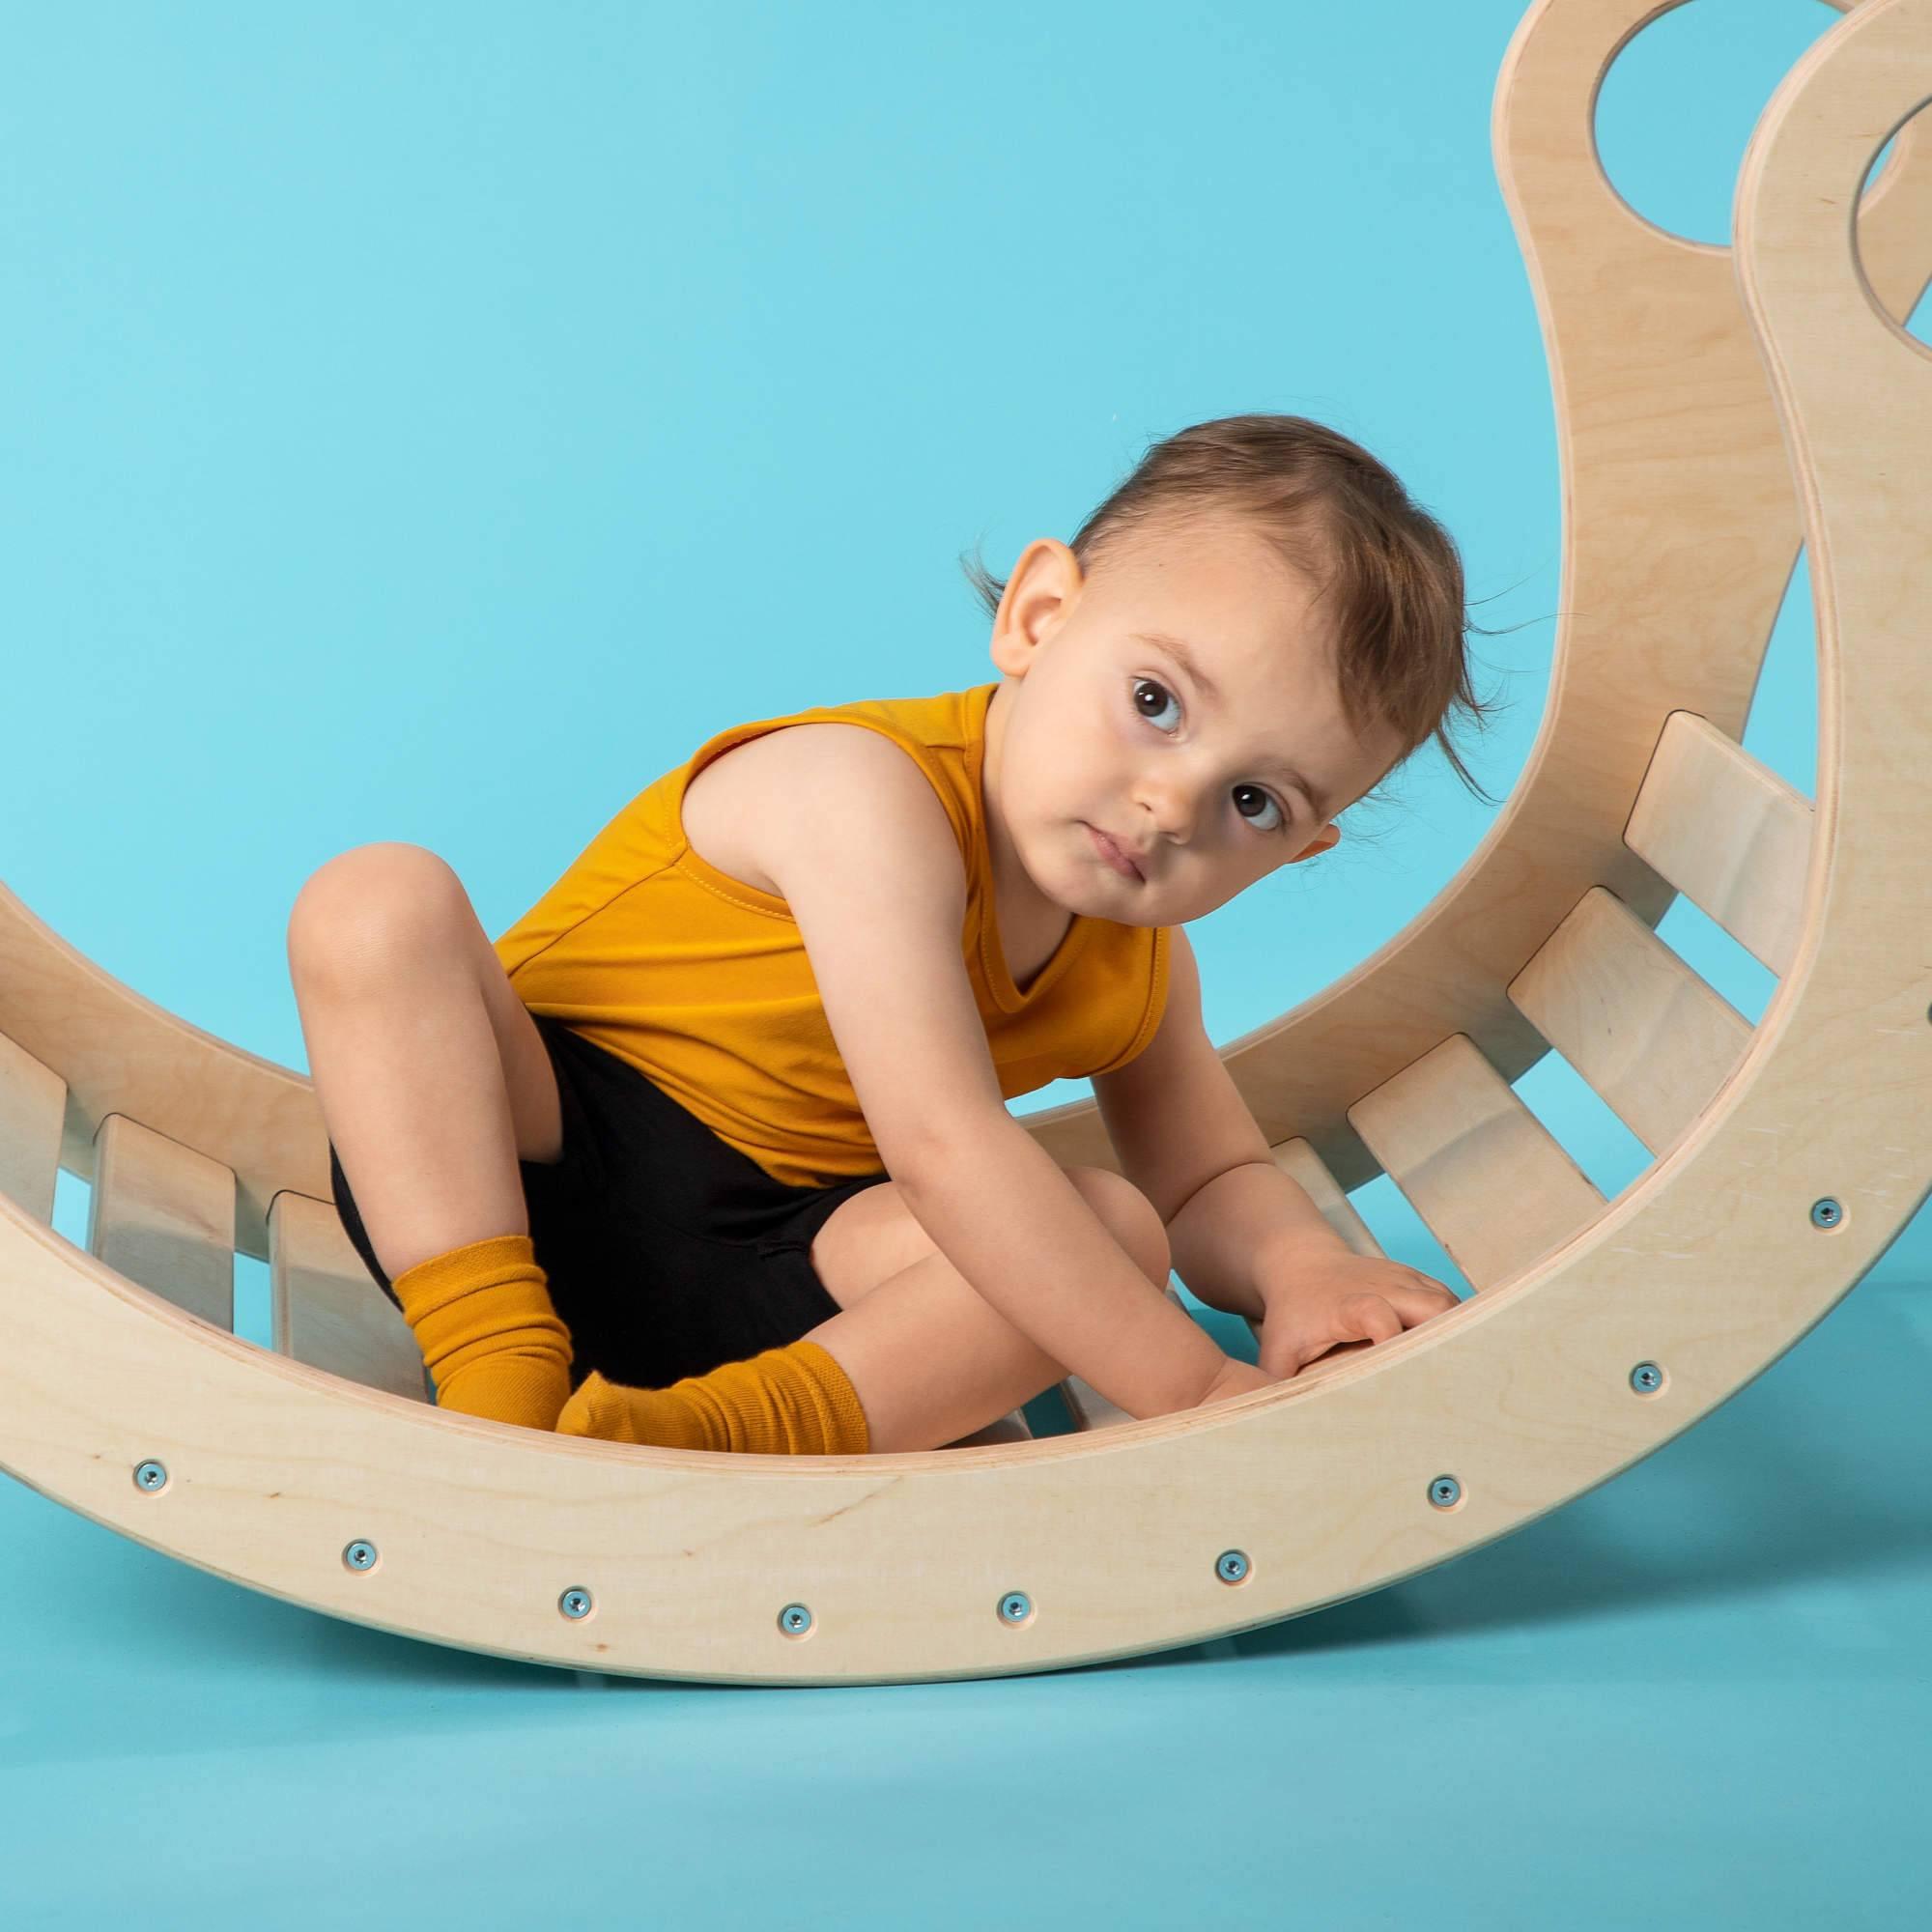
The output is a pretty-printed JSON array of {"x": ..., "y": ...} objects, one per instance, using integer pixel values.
[{"x": 1324, "y": 841}]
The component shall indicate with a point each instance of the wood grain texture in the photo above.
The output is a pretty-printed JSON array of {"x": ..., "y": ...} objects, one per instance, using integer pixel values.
[
  {"x": 1681, "y": 528},
  {"x": 325, "y": 1308},
  {"x": 1654, "y": 1040},
  {"x": 33, "y": 1103},
  {"x": 1486, "y": 1175},
  {"x": 161, "y": 1214},
  {"x": 1728, "y": 833},
  {"x": 1699, "y": 439}
]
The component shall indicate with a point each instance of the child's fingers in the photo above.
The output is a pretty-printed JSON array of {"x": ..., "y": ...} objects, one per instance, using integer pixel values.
[
  {"x": 1371, "y": 1315},
  {"x": 1419, "y": 1298}
]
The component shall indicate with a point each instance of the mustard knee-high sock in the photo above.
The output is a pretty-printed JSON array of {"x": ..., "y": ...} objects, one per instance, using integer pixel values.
[
  {"x": 794, "y": 1401},
  {"x": 492, "y": 1343}
]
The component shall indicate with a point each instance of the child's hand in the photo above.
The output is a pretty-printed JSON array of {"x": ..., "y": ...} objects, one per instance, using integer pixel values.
[
  {"x": 1340, "y": 1302},
  {"x": 1235, "y": 1378}
]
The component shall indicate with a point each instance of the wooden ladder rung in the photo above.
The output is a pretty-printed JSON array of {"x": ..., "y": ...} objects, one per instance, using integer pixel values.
[
  {"x": 1491, "y": 1183},
  {"x": 327, "y": 1310},
  {"x": 1303, "y": 1165},
  {"x": 1728, "y": 833},
  {"x": 163, "y": 1215},
  {"x": 1012, "y": 1427},
  {"x": 33, "y": 1104},
  {"x": 1654, "y": 1039}
]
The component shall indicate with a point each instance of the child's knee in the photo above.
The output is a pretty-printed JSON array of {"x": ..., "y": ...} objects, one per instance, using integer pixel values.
[{"x": 1128, "y": 1216}]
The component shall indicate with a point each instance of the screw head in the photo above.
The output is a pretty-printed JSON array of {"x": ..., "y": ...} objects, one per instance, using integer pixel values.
[
  {"x": 1444, "y": 1490},
  {"x": 1646, "y": 1378},
  {"x": 576, "y": 1603},
  {"x": 1232, "y": 1565},
  {"x": 1826, "y": 1213},
  {"x": 359, "y": 1556},
  {"x": 151, "y": 1476},
  {"x": 1015, "y": 1606},
  {"x": 794, "y": 1620}
]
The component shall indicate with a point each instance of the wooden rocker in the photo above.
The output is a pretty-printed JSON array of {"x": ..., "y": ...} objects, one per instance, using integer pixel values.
[{"x": 1713, "y": 407}]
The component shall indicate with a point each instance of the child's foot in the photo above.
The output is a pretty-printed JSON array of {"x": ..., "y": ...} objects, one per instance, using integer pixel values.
[
  {"x": 794, "y": 1401},
  {"x": 602, "y": 1410}
]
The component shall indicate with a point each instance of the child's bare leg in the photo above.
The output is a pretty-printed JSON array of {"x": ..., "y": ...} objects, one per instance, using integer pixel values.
[
  {"x": 931, "y": 1360},
  {"x": 431, "y": 1076}
]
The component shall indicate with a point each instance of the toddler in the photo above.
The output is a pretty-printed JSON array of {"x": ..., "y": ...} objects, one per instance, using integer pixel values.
[{"x": 710, "y": 1148}]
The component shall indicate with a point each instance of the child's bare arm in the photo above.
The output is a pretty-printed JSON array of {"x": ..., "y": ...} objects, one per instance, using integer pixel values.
[
  {"x": 865, "y": 856},
  {"x": 1002, "y": 1211}
]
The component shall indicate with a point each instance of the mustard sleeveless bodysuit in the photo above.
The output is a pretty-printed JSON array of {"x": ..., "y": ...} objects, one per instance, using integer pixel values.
[{"x": 702, "y": 983}]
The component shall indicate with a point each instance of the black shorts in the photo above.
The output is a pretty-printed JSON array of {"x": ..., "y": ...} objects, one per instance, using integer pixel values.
[{"x": 668, "y": 1251}]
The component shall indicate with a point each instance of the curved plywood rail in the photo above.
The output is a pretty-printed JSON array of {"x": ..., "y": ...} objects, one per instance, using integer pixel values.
[
  {"x": 1680, "y": 532},
  {"x": 119, "y": 1053},
  {"x": 1763, "y": 1211}
]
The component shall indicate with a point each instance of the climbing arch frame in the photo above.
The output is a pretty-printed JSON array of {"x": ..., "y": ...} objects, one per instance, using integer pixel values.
[{"x": 1714, "y": 406}]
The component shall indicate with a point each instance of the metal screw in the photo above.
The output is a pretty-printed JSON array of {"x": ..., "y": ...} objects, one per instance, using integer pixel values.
[
  {"x": 1826, "y": 1213},
  {"x": 1444, "y": 1490},
  {"x": 1015, "y": 1606},
  {"x": 151, "y": 1476},
  {"x": 794, "y": 1620},
  {"x": 1646, "y": 1378},
  {"x": 575, "y": 1603},
  {"x": 1232, "y": 1565},
  {"x": 359, "y": 1556}
]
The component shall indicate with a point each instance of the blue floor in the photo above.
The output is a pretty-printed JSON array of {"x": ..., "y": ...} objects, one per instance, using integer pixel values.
[{"x": 1698, "y": 1696}]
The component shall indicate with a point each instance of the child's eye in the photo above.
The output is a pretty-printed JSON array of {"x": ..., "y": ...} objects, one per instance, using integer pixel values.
[{"x": 1143, "y": 684}]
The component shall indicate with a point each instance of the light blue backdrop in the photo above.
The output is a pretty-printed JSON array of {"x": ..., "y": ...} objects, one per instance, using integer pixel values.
[{"x": 430, "y": 423}]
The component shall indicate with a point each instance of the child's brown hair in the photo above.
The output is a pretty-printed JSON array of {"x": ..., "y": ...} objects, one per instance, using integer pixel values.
[{"x": 1344, "y": 522}]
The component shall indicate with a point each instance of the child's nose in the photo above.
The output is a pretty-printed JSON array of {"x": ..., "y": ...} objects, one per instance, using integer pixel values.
[{"x": 1169, "y": 808}]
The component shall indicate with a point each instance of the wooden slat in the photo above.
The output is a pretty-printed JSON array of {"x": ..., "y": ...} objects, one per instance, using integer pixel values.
[
  {"x": 1680, "y": 525},
  {"x": 1728, "y": 833},
  {"x": 119, "y": 1053},
  {"x": 165, "y": 1217},
  {"x": 1299, "y": 1161},
  {"x": 1654, "y": 1039},
  {"x": 33, "y": 1101},
  {"x": 327, "y": 1309},
  {"x": 1012, "y": 1427},
  {"x": 1482, "y": 1171},
  {"x": 1087, "y": 1406}
]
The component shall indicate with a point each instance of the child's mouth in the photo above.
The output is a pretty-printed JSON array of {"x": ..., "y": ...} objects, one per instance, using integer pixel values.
[{"x": 1113, "y": 853}]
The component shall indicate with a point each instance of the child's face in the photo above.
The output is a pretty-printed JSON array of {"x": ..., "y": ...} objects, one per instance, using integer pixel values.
[{"x": 1094, "y": 726}]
